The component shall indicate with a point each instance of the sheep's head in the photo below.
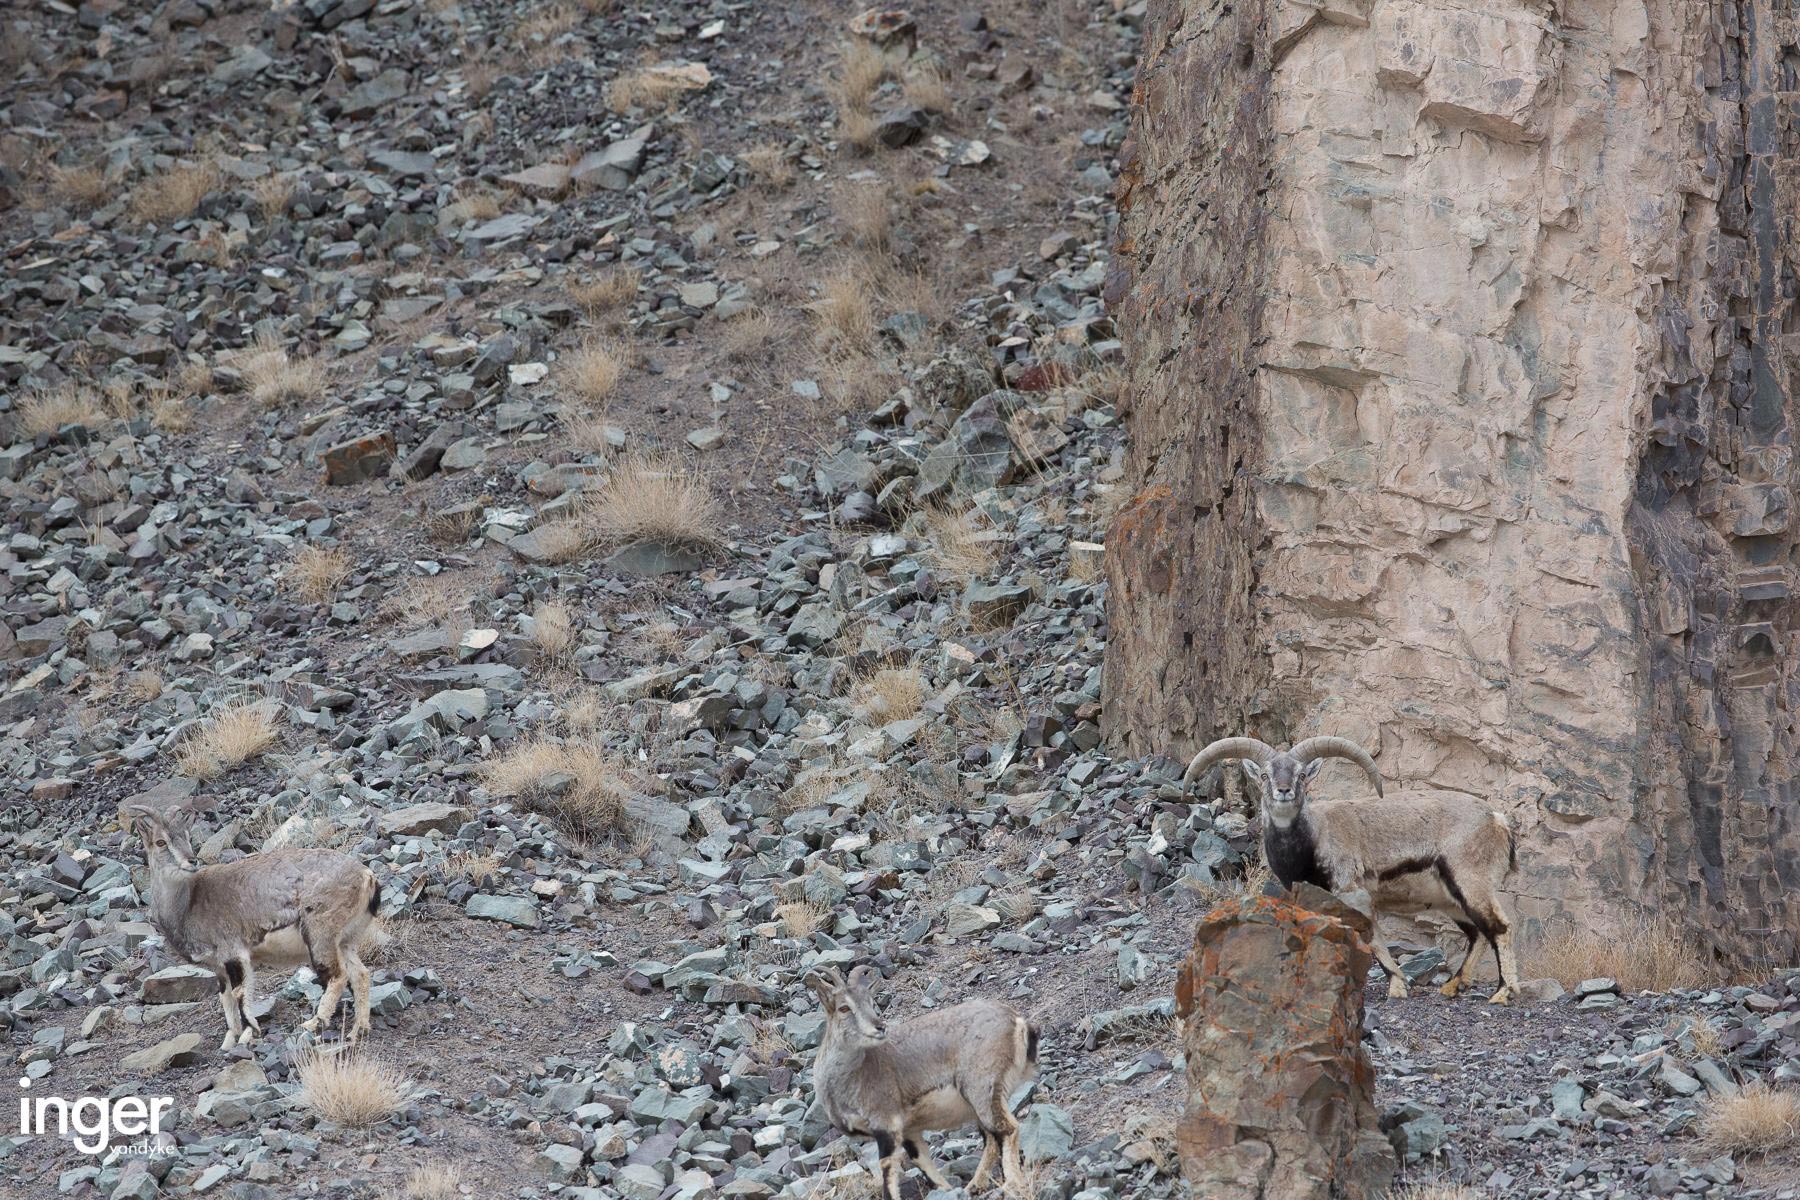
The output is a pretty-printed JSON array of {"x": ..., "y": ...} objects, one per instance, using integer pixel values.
[
  {"x": 850, "y": 1011},
  {"x": 167, "y": 836},
  {"x": 1280, "y": 777}
]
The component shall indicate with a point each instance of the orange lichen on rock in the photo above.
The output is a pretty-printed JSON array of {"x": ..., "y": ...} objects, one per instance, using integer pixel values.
[
  {"x": 1140, "y": 509},
  {"x": 1278, "y": 1084}
]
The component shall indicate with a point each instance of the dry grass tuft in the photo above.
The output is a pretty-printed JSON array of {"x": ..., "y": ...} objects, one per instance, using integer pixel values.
[
  {"x": 318, "y": 572},
  {"x": 1085, "y": 560},
  {"x": 478, "y": 204},
  {"x": 803, "y": 918},
  {"x": 120, "y": 398},
  {"x": 436, "y": 600},
  {"x": 47, "y": 412},
  {"x": 1017, "y": 905},
  {"x": 769, "y": 165},
  {"x": 174, "y": 195},
  {"x": 553, "y": 631},
  {"x": 475, "y": 866},
  {"x": 1437, "y": 1191},
  {"x": 1033, "y": 1182},
  {"x": 654, "y": 498},
  {"x": 452, "y": 527},
  {"x": 274, "y": 377},
  {"x": 577, "y": 784},
  {"x": 1699, "y": 1027},
  {"x": 272, "y": 193},
  {"x": 564, "y": 541},
  {"x": 170, "y": 412},
  {"x": 857, "y": 128},
  {"x": 193, "y": 378},
  {"x": 929, "y": 89},
  {"x": 749, "y": 333},
  {"x": 350, "y": 1088},
  {"x": 1102, "y": 385},
  {"x": 141, "y": 687},
  {"x": 610, "y": 289},
  {"x": 863, "y": 211},
  {"x": 83, "y": 187},
  {"x": 233, "y": 737},
  {"x": 1650, "y": 955},
  {"x": 539, "y": 31},
  {"x": 479, "y": 75},
  {"x": 862, "y": 68},
  {"x": 593, "y": 370},
  {"x": 892, "y": 694},
  {"x": 587, "y": 431},
  {"x": 1757, "y": 1120},
  {"x": 845, "y": 309},
  {"x": 767, "y": 1041},
  {"x": 650, "y": 89},
  {"x": 437, "y": 1182},
  {"x": 587, "y": 713},
  {"x": 959, "y": 545}
]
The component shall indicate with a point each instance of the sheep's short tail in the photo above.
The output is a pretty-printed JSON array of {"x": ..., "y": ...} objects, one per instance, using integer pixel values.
[{"x": 1024, "y": 1058}]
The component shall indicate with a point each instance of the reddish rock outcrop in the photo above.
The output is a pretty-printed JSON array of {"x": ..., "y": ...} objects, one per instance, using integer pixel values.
[
  {"x": 1279, "y": 1086},
  {"x": 1462, "y": 402}
]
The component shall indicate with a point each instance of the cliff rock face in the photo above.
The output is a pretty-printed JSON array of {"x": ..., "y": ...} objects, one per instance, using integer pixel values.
[{"x": 1462, "y": 367}]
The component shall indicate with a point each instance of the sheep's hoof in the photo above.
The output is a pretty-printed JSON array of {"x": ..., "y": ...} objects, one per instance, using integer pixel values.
[
  {"x": 310, "y": 1025},
  {"x": 1397, "y": 988},
  {"x": 1503, "y": 996},
  {"x": 1451, "y": 989},
  {"x": 231, "y": 1039},
  {"x": 358, "y": 1030}
]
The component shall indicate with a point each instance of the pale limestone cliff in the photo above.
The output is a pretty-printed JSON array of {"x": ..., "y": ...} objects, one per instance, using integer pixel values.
[{"x": 1462, "y": 406}]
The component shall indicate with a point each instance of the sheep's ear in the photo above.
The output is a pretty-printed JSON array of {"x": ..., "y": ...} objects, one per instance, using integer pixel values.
[
  {"x": 142, "y": 815},
  {"x": 863, "y": 979},
  {"x": 825, "y": 984},
  {"x": 1252, "y": 771},
  {"x": 1311, "y": 769}
]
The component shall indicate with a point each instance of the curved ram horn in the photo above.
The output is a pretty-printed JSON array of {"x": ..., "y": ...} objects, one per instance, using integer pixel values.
[
  {"x": 140, "y": 812},
  {"x": 1337, "y": 747},
  {"x": 1237, "y": 747}
]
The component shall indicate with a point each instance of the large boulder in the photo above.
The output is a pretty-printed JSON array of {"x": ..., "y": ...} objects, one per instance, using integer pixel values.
[{"x": 1279, "y": 1087}]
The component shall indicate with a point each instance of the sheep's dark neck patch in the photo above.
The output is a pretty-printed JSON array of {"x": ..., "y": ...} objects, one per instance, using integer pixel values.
[{"x": 1293, "y": 855}]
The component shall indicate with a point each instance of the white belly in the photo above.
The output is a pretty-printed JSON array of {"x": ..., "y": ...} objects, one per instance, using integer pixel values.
[
  {"x": 942, "y": 1108},
  {"x": 281, "y": 948}
]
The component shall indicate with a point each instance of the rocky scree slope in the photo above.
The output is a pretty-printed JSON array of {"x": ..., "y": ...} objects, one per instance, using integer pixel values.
[{"x": 862, "y": 728}]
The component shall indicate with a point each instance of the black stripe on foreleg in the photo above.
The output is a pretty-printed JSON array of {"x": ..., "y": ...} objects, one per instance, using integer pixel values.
[
  {"x": 1448, "y": 879},
  {"x": 890, "y": 1175},
  {"x": 1470, "y": 931}
]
